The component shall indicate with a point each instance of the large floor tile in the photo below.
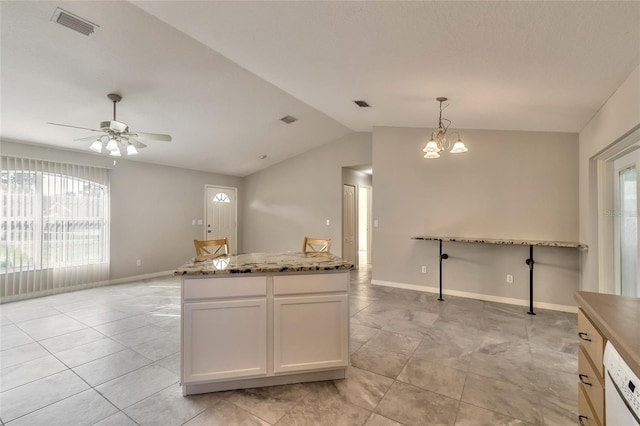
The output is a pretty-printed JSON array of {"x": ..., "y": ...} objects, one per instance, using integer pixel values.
[
  {"x": 117, "y": 419},
  {"x": 165, "y": 407},
  {"x": 158, "y": 349},
  {"x": 433, "y": 377},
  {"x": 27, "y": 398},
  {"x": 137, "y": 385},
  {"x": 29, "y": 313},
  {"x": 11, "y": 336},
  {"x": 224, "y": 414},
  {"x": 410, "y": 405},
  {"x": 379, "y": 361},
  {"x": 51, "y": 326},
  {"x": 468, "y": 415},
  {"x": 20, "y": 354},
  {"x": 89, "y": 352},
  {"x": 141, "y": 335},
  {"x": 85, "y": 408},
  {"x": 323, "y": 405},
  {"x": 504, "y": 398},
  {"x": 269, "y": 403},
  {"x": 111, "y": 366},
  {"x": 30, "y": 371},
  {"x": 378, "y": 420},
  {"x": 363, "y": 388},
  {"x": 71, "y": 340},
  {"x": 123, "y": 325},
  {"x": 394, "y": 342}
]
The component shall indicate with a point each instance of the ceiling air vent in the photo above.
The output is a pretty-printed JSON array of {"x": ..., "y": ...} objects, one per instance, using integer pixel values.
[
  {"x": 73, "y": 22},
  {"x": 362, "y": 104},
  {"x": 288, "y": 119}
]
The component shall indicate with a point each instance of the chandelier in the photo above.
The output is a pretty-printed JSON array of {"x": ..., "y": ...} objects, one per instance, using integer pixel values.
[{"x": 439, "y": 141}]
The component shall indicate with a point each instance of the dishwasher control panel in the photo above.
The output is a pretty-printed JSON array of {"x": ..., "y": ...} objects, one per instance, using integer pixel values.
[{"x": 627, "y": 382}]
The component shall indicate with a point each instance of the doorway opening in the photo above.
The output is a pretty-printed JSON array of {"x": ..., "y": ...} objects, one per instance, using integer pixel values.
[
  {"x": 364, "y": 225},
  {"x": 357, "y": 208}
]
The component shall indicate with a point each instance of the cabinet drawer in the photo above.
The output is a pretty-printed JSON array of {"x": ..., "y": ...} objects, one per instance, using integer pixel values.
[
  {"x": 586, "y": 416},
  {"x": 591, "y": 340},
  {"x": 591, "y": 383},
  {"x": 310, "y": 283},
  {"x": 205, "y": 288}
]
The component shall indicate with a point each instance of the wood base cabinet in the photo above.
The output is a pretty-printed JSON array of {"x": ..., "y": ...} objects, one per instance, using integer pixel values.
[{"x": 590, "y": 373}]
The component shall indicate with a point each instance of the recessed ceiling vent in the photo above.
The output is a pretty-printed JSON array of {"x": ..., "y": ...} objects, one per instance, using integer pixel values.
[
  {"x": 288, "y": 119},
  {"x": 73, "y": 22},
  {"x": 362, "y": 104}
]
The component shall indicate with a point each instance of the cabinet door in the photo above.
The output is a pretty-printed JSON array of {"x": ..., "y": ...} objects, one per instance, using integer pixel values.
[
  {"x": 226, "y": 339},
  {"x": 310, "y": 332}
]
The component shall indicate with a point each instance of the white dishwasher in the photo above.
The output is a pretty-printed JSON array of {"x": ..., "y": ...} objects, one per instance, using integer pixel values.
[{"x": 622, "y": 390}]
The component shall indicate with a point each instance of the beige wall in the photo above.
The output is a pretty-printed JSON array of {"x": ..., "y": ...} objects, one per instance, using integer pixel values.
[
  {"x": 293, "y": 199},
  {"x": 509, "y": 185},
  {"x": 151, "y": 208},
  {"x": 618, "y": 116}
]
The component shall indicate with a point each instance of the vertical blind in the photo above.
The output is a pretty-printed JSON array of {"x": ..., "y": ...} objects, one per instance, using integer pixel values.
[{"x": 55, "y": 227}]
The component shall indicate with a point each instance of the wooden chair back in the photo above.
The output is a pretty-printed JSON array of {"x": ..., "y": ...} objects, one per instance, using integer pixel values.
[
  {"x": 212, "y": 248},
  {"x": 316, "y": 245}
]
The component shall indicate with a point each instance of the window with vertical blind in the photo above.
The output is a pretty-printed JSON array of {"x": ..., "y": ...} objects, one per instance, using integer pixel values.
[{"x": 55, "y": 227}]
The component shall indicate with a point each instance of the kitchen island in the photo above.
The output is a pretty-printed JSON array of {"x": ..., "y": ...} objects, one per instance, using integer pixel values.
[{"x": 263, "y": 319}]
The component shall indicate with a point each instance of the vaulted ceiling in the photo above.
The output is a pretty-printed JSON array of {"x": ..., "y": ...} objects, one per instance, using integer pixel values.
[{"x": 218, "y": 76}]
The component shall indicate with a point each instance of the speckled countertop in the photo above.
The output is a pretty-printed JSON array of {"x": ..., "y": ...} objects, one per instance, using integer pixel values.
[
  {"x": 617, "y": 318},
  {"x": 260, "y": 263},
  {"x": 568, "y": 244}
]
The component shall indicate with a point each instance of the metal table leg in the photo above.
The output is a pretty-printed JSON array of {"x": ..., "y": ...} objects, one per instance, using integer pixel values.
[
  {"x": 530, "y": 262},
  {"x": 443, "y": 256}
]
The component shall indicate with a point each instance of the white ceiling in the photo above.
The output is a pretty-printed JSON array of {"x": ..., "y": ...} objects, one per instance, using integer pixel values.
[{"x": 217, "y": 76}]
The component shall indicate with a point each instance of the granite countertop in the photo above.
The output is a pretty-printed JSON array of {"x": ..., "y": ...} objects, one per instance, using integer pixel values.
[
  {"x": 568, "y": 244},
  {"x": 257, "y": 263},
  {"x": 617, "y": 318}
]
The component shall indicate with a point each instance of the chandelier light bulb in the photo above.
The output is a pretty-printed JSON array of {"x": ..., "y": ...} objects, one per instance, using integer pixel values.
[
  {"x": 432, "y": 154},
  {"x": 115, "y": 153}
]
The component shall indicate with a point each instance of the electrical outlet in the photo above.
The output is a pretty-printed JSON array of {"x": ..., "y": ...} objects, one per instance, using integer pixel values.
[
  {"x": 424, "y": 269},
  {"x": 139, "y": 262},
  {"x": 328, "y": 222},
  {"x": 509, "y": 279}
]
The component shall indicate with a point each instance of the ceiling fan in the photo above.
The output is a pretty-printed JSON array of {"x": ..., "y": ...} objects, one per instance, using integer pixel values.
[{"x": 116, "y": 137}]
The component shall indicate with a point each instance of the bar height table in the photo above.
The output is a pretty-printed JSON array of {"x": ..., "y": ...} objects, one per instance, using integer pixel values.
[{"x": 529, "y": 261}]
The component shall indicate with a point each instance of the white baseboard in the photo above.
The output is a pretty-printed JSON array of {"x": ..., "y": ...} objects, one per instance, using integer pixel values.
[
  {"x": 140, "y": 277},
  {"x": 485, "y": 297},
  {"x": 53, "y": 291}
]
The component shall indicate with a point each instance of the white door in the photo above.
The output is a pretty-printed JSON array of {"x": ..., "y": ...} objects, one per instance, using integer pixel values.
[
  {"x": 626, "y": 198},
  {"x": 349, "y": 223},
  {"x": 221, "y": 217}
]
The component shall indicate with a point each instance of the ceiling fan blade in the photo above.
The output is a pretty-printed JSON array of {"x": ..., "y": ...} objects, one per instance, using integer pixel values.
[
  {"x": 137, "y": 143},
  {"x": 154, "y": 136},
  {"x": 75, "y": 127},
  {"x": 88, "y": 138}
]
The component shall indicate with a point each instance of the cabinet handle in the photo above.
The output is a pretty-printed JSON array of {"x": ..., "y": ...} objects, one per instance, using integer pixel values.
[
  {"x": 582, "y": 377},
  {"x": 580, "y": 418},
  {"x": 584, "y": 336}
]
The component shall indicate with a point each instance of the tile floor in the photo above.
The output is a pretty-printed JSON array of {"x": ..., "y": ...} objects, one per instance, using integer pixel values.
[{"x": 110, "y": 356}]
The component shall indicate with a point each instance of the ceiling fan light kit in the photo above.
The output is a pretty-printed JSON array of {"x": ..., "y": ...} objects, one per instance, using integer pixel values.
[
  {"x": 116, "y": 139},
  {"x": 439, "y": 141}
]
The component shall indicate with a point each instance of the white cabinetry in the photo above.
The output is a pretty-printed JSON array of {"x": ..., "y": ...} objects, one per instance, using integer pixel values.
[
  {"x": 247, "y": 331},
  {"x": 310, "y": 322},
  {"x": 227, "y": 339}
]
